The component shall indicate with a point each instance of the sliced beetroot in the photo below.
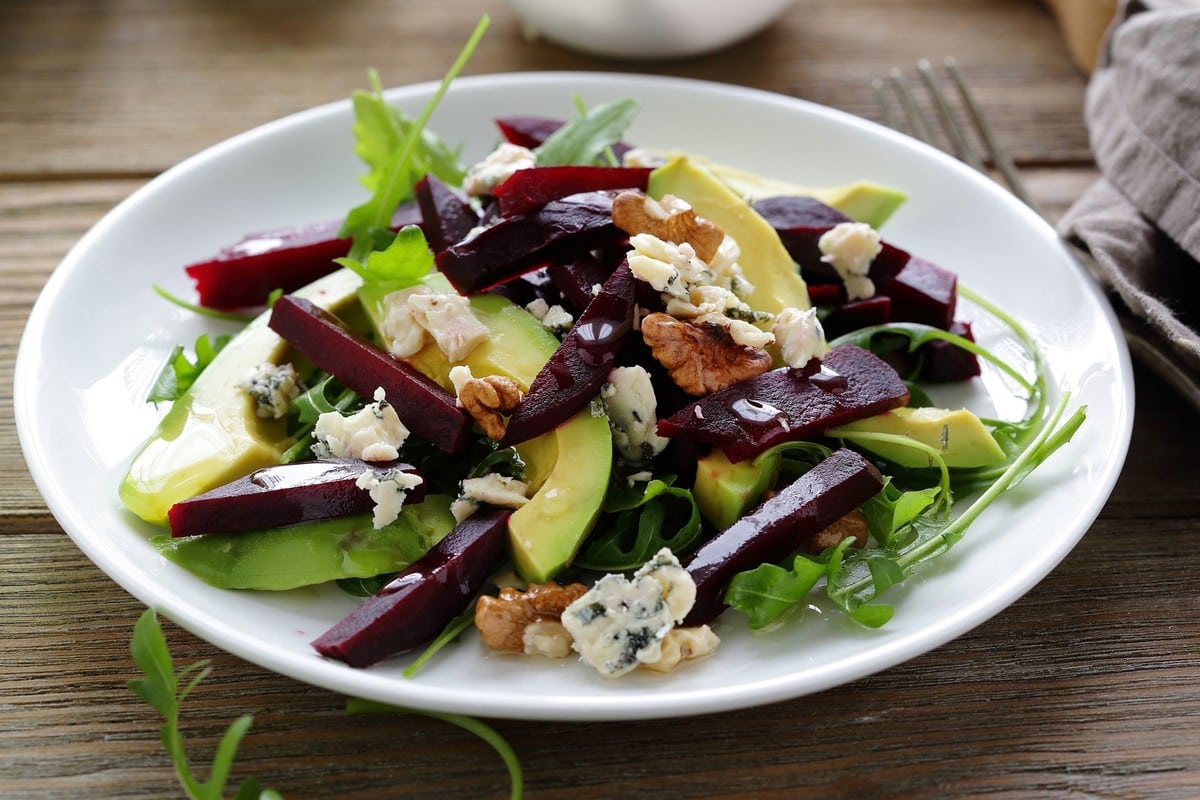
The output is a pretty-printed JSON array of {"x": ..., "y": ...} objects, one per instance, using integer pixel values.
[
  {"x": 857, "y": 314},
  {"x": 285, "y": 494},
  {"x": 423, "y": 406},
  {"x": 447, "y": 215},
  {"x": 921, "y": 291},
  {"x": 800, "y": 222},
  {"x": 786, "y": 404},
  {"x": 529, "y": 189},
  {"x": 577, "y": 279},
  {"x": 416, "y": 605},
  {"x": 527, "y": 131},
  {"x": 779, "y": 527},
  {"x": 824, "y": 295},
  {"x": 577, "y": 369},
  {"x": 243, "y": 275},
  {"x": 516, "y": 245},
  {"x": 944, "y": 362}
]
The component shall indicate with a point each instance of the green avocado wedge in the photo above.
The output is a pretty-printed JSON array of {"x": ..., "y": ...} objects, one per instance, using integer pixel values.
[
  {"x": 958, "y": 435},
  {"x": 726, "y": 490},
  {"x": 278, "y": 559},
  {"x": 764, "y": 261},
  {"x": 864, "y": 201},
  {"x": 568, "y": 468},
  {"x": 212, "y": 434}
]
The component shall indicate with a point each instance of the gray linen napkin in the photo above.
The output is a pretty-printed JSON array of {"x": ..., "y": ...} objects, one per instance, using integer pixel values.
[{"x": 1140, "y": 223}]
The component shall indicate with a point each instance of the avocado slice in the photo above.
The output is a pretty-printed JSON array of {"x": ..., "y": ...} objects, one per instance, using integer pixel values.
[
  {"x": 959, "y": 435},
  {"x": 725, "y": 490},
  {"x": 864, "y": 201},
  {"x": 567, "y": 467},
  {"x": 764, "y": 261},
  {"x": 212, "y": 433}
]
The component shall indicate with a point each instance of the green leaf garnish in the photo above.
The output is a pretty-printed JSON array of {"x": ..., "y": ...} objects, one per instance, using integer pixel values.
[
  {"x": 583, "y": 139},
  {"x": 485, "y": 732},
  {"x": 402, "y": 263},
  {"x": 640, "y": 523},
  {"x": 165, "y": 690},
  {"x": 180, "y": 372},
  {"x": 204, "y": 311},
  {"x": 392, "y": 177}
]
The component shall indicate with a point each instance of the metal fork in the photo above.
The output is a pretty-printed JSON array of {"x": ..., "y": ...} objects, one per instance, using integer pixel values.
[{"x": 946, "y": 119}]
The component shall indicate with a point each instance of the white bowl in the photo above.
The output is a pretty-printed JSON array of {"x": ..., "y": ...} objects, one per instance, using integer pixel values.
[{"x": 646, "y": 29}]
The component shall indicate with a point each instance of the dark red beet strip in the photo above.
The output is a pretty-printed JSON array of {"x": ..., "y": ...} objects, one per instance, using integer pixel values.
[
  {"x": 529, "y": 189},
  {"x": 447, "y": 216},
  {"x": 243, "y": 275},
  {"x": 577, "y": 369},
  {"x": 286, "y": 494},
  {"x": 519, "y": 244},
  {"x": 415, "y": 606},
  {"x": 786, "y": 405},
  {"x": 780, "y": 526},
  {"x": 575, "y": 279},
  {"x": 424, "y": 407}
]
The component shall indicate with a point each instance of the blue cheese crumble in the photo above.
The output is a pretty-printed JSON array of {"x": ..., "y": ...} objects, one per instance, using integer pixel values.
[
  {"x": 273, "y": 387},
  {"x": 799, "y": 336},
  {"x": 622, "y": 623},
  {"x": 389, "y": 489},
  {"x": 374, "y": 433},
  {"x": 850, "y": 247},
  {"x": 628, "y": 397}
]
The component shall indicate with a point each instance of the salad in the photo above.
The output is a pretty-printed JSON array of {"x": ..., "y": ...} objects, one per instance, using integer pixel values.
[{"x": 572, "y": 380}]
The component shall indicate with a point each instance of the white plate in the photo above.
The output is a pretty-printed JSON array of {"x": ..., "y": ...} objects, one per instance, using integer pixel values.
[{"x": 98, "y": 336}]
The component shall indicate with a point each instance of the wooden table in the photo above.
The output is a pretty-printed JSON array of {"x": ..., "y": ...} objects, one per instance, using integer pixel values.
[{"x": 1088, "y": 686}]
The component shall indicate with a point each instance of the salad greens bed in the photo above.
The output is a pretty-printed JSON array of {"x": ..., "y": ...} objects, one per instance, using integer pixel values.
[{"x": 910, "y": 521}]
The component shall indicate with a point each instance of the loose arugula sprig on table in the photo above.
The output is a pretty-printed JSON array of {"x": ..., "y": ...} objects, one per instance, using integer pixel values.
[{"x": 165, "y": 688}]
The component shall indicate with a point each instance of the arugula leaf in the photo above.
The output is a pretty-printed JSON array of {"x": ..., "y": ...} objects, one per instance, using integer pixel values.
[
  {"x": 453, "y": 630},
  {"x": 180, "y": 372},
  {"x": 485, "y": 732},
  {"x": 165, "y": 690},
  {"x": 204, "y": 311},
  {"x": 405, "y": 260},
  {"x": 892, "y": 511},
  {"x": 768, "y": 591},
  {"x": 583, "y": 139},
  {"x": 392, "y": 177},
  {"x": 639, "y": 524}
]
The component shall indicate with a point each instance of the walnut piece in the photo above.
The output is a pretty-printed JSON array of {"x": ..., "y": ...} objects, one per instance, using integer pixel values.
[
  {"x": 524, "y": 622},
  {"x": 635, "y": 212},
  {"x": 852, "y": 526},
  {"x": 488, "y": 400},
  {"x": 701, "y": 358},
  {"x": 683, "y": 644}
]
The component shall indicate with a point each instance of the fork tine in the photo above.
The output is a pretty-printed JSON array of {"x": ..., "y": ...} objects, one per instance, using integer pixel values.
[
  {"x": 954, "y": 131},
  {"x": 999, "y": 156},
  {"x": 916, "y": 121},
  {"x": 922, "y": 126}
]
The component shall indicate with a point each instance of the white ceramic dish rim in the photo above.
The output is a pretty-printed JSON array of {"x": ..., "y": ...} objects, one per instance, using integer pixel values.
[{"x": 518, "y": 690}]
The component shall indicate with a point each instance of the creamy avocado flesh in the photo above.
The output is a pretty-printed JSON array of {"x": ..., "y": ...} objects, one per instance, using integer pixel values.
[
  {"x": 212, "y": 434},
  {"x": 958, "y": 435},
  {"x": 569, "y": 466},
  {"x": 725, "y": 490},
  {"x": 764, "y": 261}
]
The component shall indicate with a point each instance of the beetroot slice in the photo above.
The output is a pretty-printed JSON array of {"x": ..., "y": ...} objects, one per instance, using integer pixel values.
[
  {"x": 577, "y": 279},
  {"x": 857, "y": 314},
  {"x": 780, "y": 526},
  {"x": 786, "y": 405},
  {"x": 528, "y": 189},
  {"x": 286, "y": 494},
  {"x": 423, "y": 406},
  {"x": 416, "y": 605},
  {"x": 519, "y": 244},
  {"x": 577, "y": 369},
  {"x": 243, "y": 275},
  {"x": 447, "y": 216}
]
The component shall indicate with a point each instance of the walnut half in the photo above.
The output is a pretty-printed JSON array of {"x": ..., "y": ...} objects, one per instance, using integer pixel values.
[
  {"x": 701, "y": 357},
  {"x": 852, "y": 526},
  {"x": 635, "y": 212},
  {"x": 488, "y": 400},
  {"x": 528, "y": 622}
]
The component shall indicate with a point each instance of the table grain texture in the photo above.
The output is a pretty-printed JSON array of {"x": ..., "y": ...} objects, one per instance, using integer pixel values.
[{"x": 1089, "y": 686}]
